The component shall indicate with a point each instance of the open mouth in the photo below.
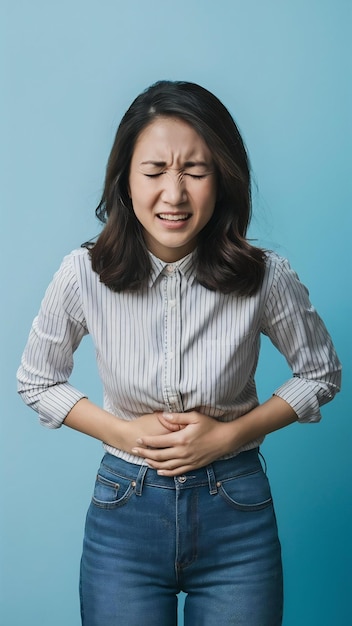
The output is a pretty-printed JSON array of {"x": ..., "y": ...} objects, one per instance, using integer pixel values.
[{"x": 174, "y": 217}]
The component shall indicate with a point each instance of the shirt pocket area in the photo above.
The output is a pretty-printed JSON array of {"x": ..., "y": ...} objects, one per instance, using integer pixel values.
[
  {"x": 109, "y": 494},
  {"x": 226, "y": 366},
  {"x": 250, "y": 492}
]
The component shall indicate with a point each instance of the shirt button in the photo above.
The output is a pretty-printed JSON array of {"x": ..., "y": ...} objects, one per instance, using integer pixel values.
[
  {"x": 169, "y": 269},
  {"x": 182, "y": 479}
]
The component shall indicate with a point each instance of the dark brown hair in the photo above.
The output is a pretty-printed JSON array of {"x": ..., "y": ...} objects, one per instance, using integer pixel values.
[{"x": 225, "y": 260}]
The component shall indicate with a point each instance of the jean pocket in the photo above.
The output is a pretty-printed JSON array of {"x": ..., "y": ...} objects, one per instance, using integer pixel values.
[
  {"x": 250, "y": 492},
  {"x": 109, "y": 494}
]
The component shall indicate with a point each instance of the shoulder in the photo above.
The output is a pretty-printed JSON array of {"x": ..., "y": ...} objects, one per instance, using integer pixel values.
[
  {"x": 281, "y": 280},
  {"x": 80, "y": 276},
  {"x": 278, "y": 268},
  {"x": 273, "y": 260},
  {"x": 75, "y": 269},
  {"x": 76, "y": 264},
  {"x": 77, "y": 258}
]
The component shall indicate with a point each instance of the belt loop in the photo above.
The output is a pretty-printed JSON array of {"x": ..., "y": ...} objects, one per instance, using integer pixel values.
[
  {"x": 211, "y": 480},
  {"x": 140, "y": 479}
]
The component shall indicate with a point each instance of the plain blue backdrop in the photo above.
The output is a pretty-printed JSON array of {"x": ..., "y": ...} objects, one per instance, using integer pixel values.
[{"x": 70, "y": 70}]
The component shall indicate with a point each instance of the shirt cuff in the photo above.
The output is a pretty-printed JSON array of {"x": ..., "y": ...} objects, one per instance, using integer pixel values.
[
  {"x": 301, "y": 395},
  {"x": 57, "y": 403}
]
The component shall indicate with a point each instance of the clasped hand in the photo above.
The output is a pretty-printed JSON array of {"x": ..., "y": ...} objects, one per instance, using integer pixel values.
[{"x": 194, "y": 440}]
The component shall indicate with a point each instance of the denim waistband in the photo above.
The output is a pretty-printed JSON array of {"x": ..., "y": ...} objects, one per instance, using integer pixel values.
[{"x": 211, "y": 475}]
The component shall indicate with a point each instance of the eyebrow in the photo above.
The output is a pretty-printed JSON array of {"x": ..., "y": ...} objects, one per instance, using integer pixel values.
[
  {"x": 186, "y": 164},
  {"x": 196, "y": 164},
  {"x": 157, "y": 163}
]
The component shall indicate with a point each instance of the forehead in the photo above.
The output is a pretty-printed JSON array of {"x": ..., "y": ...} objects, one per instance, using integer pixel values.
[{"x": 165, "y": 135}]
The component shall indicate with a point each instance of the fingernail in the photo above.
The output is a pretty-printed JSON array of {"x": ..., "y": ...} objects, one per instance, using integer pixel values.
[
  {"x": 139, "y": 441},
  {"x": 161, "y": 473},
  {"x": 134, "y": 450},
  {"x": 168, "y": 416}
]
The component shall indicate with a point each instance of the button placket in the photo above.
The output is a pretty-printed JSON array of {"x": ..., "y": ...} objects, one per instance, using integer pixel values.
[{"x": 172, "y": 339}]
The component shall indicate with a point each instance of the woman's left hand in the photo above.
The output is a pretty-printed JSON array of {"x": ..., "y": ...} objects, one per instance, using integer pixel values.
[{"x": 199, "y": 441}]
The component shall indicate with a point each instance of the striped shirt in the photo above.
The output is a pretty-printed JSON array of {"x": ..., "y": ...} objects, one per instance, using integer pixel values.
[{"x": 175, "y": 345}]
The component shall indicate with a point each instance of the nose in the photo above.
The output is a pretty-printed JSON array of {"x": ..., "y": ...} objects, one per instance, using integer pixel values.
[{"x": 174, "y": 191}]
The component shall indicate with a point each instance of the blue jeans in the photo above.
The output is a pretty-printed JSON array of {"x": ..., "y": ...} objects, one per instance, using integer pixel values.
[{"x": 211, "y": 533}]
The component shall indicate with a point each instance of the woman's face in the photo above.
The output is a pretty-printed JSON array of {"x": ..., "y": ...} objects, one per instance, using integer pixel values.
[{"x": 172, "y": 184}]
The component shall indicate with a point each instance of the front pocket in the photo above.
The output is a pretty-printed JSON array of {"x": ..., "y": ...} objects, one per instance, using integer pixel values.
[
  {"x": 247, "y": 493},
  {"x": 109, "y": 494}
]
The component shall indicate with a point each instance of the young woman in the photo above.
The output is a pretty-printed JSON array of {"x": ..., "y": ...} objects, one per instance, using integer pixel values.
[{"x": 175, "y": 299}]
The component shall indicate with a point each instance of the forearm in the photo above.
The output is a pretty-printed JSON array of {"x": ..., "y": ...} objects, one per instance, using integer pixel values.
[
  {"x": 272, "y": 415},
  {"x": 203, "y": 439},
  {"x": 89, "y": 419}
]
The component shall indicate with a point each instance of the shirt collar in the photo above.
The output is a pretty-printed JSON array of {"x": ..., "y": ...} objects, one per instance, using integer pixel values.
[{"x": 185, "y": 266}]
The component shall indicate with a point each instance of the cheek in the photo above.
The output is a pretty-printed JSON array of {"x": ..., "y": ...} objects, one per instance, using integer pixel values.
[
  {"x": 210, "y": 193},
  {"x": 140, "y": 196},
  {"x": 208, "y": 202},
  {"x": 137, "y": 187}
]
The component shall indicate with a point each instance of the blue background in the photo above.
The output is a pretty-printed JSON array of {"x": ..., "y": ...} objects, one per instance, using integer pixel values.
[{"x": 71, "y": 68}]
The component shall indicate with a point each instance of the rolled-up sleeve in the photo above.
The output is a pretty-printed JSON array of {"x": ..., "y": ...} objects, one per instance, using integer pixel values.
[
  {"x": 295, "y": 328},
  {"x": 47, "y": 360}
]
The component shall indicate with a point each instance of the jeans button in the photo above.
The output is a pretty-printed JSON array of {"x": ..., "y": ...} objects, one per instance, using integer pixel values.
[{"x": 182, "y": 479}]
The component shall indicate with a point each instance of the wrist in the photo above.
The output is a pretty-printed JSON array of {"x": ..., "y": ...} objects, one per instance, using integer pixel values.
[
  {"x": 265, "y": 418},
  {"x": 120, "y": 435},
  {"x": 228, "y": 438}
]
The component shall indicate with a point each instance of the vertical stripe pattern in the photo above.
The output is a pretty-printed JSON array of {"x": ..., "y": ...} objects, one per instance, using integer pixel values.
[{"x": 175, "y": 345}]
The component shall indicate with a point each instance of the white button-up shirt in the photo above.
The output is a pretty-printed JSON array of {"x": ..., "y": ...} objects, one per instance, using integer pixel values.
[{"x": 175, "y": 345}]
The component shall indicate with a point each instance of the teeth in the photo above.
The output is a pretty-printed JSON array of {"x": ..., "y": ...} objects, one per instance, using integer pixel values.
[{"x": 173, "y": 218}]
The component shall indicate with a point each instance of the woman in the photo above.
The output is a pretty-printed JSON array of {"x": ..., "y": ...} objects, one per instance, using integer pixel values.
[{"x": 175, "y": 299}]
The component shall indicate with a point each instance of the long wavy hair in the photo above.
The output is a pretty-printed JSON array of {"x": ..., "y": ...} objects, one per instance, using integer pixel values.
[{"x": 224, "y": 261}]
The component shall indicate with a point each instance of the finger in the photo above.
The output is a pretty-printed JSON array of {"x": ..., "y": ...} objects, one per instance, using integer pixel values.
[
  {"x": 158, "y": 456},
  {"x": 158, "y": 441},
  {"x": 169, "y": 424},
  {"x": 173, "y": 467},
  {"x": 178, "y": 471},
  {"x": 180, "y": 418}
]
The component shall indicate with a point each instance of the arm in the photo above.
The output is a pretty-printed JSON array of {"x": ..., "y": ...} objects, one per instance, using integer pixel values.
[
  {"x": 91, "y": 420},
  {"x": 47, "y": 363},
  {"x": 297, "y": 331},
  {"x": 203, "y": 439}
]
